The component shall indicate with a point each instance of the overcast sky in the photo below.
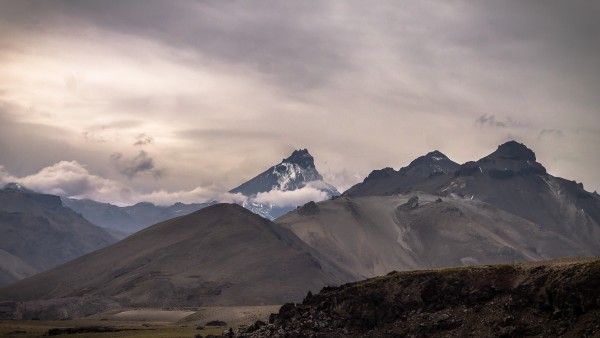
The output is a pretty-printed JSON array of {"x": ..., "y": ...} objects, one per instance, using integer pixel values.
[{"x": 123, "y": 101}]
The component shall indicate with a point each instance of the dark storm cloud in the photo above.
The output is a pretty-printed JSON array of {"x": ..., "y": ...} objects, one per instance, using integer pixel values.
[
  {"x": 275, "y": 37},
  {"x": 140, "y": 164},
  {"x": 302, "y": 45},
  {"x": 558, "y": 37},
  {"x": 491, "y": 122},
  {"x": 26, "y": 147},
  {"x": 343, "y": 78},
  {"x": 143, "y": 139}
]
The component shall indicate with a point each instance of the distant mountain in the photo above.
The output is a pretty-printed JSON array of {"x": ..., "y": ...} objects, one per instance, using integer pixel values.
[
  {"x": 220, "y": 255},
  {"x": 129, "y": 219},
  {"x": 512, "y": 180},
  {"x": 373, "y": 235},
  {"x": 433, "y": 213},
  {"x": 502, "y": 208},
  {"x": 430, "y": 169},
  {"x": 38, "y": 233},
  {"x": 295, "y": 172}
]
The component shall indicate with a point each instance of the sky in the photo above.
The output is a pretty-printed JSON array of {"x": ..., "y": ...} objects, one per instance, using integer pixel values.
[{"x": 166, "y": 101}]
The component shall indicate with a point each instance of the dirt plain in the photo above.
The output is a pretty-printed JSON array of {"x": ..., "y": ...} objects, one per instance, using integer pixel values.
[{"x": 163, "y": 323}]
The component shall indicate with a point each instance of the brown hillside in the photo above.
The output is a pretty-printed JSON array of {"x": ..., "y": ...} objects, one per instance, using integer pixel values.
[
  {"x": 221, "y": 255},
  {"x": 545, "y": 299}
]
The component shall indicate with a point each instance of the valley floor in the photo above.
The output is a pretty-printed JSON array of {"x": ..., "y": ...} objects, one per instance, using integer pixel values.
[{"x": 143, "y": 323}]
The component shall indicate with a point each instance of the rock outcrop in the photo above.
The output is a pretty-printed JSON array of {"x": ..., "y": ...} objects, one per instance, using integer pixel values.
[{"x": 550, "y": 299}]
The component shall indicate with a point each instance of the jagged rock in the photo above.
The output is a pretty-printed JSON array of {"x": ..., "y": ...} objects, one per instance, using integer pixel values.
[
  {"x": 309, "y": 208},
  {"x": 484, "y": 301},
  {"x": 468, "y": 169},
  {"x": 216, "y": 323},
  {"x": 411, "y": 204},
  {"x": 381, "y": 173}
]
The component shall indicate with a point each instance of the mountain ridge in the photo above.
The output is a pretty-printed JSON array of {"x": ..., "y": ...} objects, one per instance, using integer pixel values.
[
  {"x": 38, "y": 233},
  {"x": 388, "y": 181},
  {"x": 129, "y": 219},
  {"x": 429, "y": 214},
  {"x": 505, "y": 208},
  {"x": 220, "y": 255}
]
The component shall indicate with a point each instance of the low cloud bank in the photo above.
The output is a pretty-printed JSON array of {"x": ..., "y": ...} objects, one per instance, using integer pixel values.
[
  {"x": 290, "y": 198},
  {"x": 72, "y": 179}
]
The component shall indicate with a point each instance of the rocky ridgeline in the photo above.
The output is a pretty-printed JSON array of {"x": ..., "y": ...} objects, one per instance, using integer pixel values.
[{"x": 549, "y": 299}]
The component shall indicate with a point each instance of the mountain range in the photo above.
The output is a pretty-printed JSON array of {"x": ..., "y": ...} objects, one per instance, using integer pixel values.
[
  {"x": 39, "y": 233},
  {"x": 295, "y": 172},
  {"x": 220, "y": 255},
  {"x": 512, "y": 180},
  {"x": 502, "y": 208},
  {"x": 123, "y": 221}
]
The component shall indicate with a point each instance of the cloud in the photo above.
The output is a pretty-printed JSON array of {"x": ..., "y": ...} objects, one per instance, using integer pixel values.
[
  {"x": 5, "y": 176},
  {"x": 143, "y": 139},
  {"x": 553, "y": 133},
  {"x": 230, "y": 133},
  {"x": 198, "y": 194},
  {"x": 292, "y": 198},
  {"x": 72, "y": 179},
  {"x": 491, "y": 122},
  {"x": 344, "y": 78},
  {"x": 140, "y": 164}
]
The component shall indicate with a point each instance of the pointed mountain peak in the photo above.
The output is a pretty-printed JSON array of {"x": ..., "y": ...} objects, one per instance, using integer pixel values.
[
  {"x": 17, "y": 187},
  {"x": 432, "y": 158},
  {"x": 298, "y": 171},
  {"x": 509, "y": 160},
  {"x": 302, "y": 158},
  {"x": 513, "y": 150},
  {"x": 436, "y": 155},
  {"x": 381, "y": 173}
]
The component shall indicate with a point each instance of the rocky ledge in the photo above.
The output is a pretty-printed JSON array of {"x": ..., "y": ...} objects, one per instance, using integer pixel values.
[{"x": 544, "y": 299}]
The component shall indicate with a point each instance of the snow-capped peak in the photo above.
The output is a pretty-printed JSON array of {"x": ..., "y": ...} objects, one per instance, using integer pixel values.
[{"x": 294, "y": 173}]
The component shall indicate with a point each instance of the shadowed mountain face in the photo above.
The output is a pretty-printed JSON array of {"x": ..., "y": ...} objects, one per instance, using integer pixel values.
[
  {"x": 512, "y": 180},
  {"x": 373, "y": 235},
  {"x": 427, "y": 170},
  {"x": 38, "y": 233},
  {"x": 130, "y": 219},
  {"x": 545, "y": 299},
  {"x": 295, "y": 172},
  {"x": 220, "y": 255}
]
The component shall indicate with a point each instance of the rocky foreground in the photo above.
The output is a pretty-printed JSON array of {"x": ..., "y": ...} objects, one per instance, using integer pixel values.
[{"x": 545, "y": 299}]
